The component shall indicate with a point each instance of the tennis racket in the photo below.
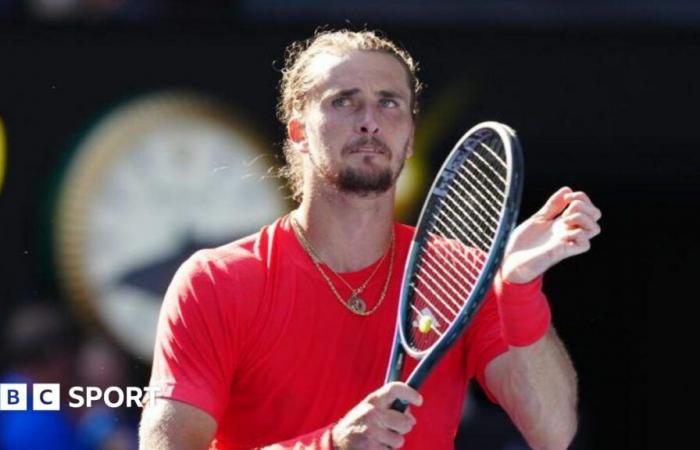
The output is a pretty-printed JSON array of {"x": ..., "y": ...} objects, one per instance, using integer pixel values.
[{"x": 457, "y": 248}]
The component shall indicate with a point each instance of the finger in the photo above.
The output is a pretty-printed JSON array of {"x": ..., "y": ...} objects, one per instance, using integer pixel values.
[
  {"x": 386, "y": 437},
  {"x": 583, "y": 197},
  {"x": 576, "y": 243},
  {"x": 582, "y": 221},
  {"x": 408, "y": 413},
  {"x": 385, "y": 396},
  {"x": 401, "y": 423},
  {"x": 580, "y": 206},
  {"x": 555, "y": 204},
  {"x": 578, "y": 195}
]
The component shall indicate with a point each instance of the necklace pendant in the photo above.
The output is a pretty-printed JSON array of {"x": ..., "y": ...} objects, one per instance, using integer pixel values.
[{"x": 356, "y": 304}]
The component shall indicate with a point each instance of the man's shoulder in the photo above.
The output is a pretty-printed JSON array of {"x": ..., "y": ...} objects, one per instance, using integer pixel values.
[
  {"x": 404, "y": 234},
  {"x": 242, "y": 249},
  {"x": 230, "y": 275},
  {"x": 241, "y": 255},
  {"x": 405, "y": 230}
]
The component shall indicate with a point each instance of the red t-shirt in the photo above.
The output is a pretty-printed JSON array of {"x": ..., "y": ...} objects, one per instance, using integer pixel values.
[{"x": 251, "y": 333}]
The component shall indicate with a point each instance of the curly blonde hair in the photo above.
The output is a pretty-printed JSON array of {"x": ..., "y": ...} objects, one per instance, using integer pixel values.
[{"x": 296, "y": 83}]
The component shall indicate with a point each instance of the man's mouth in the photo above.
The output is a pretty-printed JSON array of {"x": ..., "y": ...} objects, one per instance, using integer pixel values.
[{"x": 369, "y": 149}]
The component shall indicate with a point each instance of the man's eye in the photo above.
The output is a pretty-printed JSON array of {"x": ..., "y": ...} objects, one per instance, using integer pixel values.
[
  {"x": 341, "y": 101},
  {"x": 388, "y": 103}
]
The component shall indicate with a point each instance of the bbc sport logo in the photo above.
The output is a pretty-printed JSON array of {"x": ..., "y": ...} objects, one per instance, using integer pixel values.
[{"x": 47, "y": 396}]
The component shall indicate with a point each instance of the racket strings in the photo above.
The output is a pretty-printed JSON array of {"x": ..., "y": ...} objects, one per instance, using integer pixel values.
[
  {"x": 440, "y": 311},
  {"x": 465, "y": 272},
  {"x": 434, "y": 277},
  {"x": 489, "y": 164},
  {"x": 434, "y": 287},
  {"x": 442, "y": 297},
  {"x": 459, "y": 237},
  {"x": 475, "y": 228},
  {"x": 440, "y": 278},
  {"x": 460, "y": 230},
  {"x": 492, "y": 223},
  {"x": 482, "y": 203}
]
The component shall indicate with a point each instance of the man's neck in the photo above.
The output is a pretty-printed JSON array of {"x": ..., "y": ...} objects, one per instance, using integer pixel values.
[{"x": 348, "y": 231}]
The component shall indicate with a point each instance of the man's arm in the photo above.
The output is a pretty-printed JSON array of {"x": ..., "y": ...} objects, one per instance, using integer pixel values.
[
  {"x": 173, "y": 425},
  {"x": 537, "y": 386},
  {"x": 534, "y": 380}
]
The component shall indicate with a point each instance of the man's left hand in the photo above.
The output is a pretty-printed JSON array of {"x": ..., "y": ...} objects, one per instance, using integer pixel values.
[{"x": 563, "y": 227}]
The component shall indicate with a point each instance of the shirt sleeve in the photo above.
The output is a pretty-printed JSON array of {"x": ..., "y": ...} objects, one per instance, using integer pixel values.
[{"x": 197, "y": 339}]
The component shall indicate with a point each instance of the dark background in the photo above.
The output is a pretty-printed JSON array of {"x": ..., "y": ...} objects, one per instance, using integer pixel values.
[{"x": 607, "y": 105}]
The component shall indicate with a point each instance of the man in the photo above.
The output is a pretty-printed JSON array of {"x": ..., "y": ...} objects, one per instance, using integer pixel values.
[{"x": 281, "y": 339}]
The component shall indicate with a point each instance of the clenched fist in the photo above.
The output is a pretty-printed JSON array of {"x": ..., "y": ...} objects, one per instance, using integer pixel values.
[{"x": 373, "y": 425}]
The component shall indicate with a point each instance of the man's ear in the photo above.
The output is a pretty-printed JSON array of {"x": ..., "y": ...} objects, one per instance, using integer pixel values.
[{"x": 296, "y": 130}]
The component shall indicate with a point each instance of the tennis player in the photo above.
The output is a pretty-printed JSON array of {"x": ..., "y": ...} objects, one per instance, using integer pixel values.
[{"x": 281, "y": 339}]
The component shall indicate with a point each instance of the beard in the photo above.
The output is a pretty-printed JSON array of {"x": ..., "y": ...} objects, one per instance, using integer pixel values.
[
  {"x": 358, "y": 181},
  {"x": 362, "y": 181},
  {"x": 368, "y": 181}
]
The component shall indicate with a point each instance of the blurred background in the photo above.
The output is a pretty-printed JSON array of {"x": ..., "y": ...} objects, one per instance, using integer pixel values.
[{"x": 133, "y": 132}]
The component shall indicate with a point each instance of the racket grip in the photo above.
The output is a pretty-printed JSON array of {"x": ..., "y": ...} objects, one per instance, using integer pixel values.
[{"x": 399, "y": 405}]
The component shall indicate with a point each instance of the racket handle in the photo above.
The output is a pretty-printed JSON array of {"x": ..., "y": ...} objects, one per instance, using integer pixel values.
[{"x": 399, "y": 405}]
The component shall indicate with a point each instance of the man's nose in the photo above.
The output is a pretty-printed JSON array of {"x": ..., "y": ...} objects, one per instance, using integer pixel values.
[{"x": 367, "y": 123}]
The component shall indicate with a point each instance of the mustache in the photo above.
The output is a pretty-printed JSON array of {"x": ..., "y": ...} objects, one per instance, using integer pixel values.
[{"x": 367, "y": 141}]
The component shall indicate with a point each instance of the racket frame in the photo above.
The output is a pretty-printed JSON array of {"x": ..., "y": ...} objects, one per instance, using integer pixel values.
[{"x": 514, "y": 182}]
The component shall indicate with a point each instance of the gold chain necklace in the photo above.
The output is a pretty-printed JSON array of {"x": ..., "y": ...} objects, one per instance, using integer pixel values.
[
  {"x": 354, "y": 303},
  {"x": 314, "y": 255}
]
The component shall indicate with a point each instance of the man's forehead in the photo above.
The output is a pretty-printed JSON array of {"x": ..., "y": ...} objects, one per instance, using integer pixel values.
[{"x": 348, "y": 69}]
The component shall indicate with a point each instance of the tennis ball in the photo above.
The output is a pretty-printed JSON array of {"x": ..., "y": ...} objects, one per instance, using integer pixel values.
[{"x": 425, "y": 324}]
